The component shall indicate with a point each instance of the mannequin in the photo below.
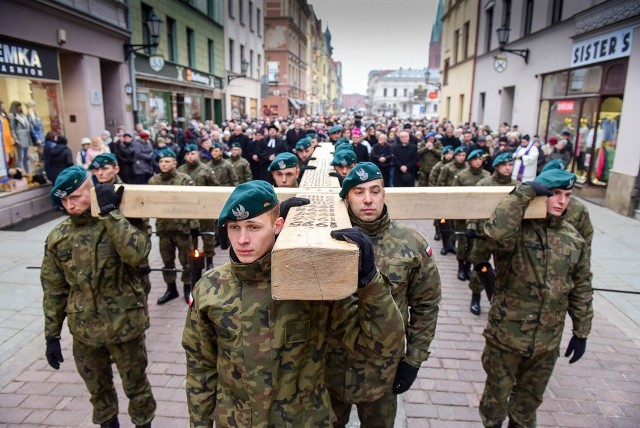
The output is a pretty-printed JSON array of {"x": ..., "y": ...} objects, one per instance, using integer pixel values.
[
  {"x": 7, "y": 137},
  {"x": 37, "y": 132},
  {"x": 21, "y": 134}
]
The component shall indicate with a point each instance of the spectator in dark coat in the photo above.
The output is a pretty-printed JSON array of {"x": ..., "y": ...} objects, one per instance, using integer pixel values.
[
  {"x": 126, "y": 157},
  {"x": 143, "y": 160},
  {"x": 294, "y": 135},
  {"x": 405, "y": 160},
  {"x": 49, "y": 143},
  {"x": 448, "y": 139},
  {"x": 382, "y": 157},
  {"x": 60, "y": 158},
  {"x": 240, "y": 137},
  {"x": 360, "y": 149}
]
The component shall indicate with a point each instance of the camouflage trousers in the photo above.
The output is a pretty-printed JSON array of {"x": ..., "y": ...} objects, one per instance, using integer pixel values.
[
  {"x": 464, "y": 244},
  {"x": 515, "y": 385},
  {"x": 380, "y": 413},
  {"x": 94, "y": 366},
  {"x": 168, "y": 246},
  {"x": 423, "y": 178},
  {"x": 479, "y": 253},
  {"x": 207, "y": 240}
]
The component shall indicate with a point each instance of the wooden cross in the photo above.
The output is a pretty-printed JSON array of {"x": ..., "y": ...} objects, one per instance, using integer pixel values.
[{"x": 307, "y": 264}]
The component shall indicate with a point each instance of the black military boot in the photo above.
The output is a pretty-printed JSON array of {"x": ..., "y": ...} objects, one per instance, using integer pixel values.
[
  {"x": 467, "y": 270},
  {"x": 447, "y": 238},
  {"x": 461, "y": 273},
  {"x": 147, "y": 425},
  {"x": 186, "y": 288},
  {"x": 113, "y": 423},
  {"x": 475, "y": 304},
  {"x": 437, "y": 236},
  {"x": 208, "y": 263},
  {"x": 513, "y": 424},
  {"x": 170, "y": 294},
  {"x": 487, "y": 277}
]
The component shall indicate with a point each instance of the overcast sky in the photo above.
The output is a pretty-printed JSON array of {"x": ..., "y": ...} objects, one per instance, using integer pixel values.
[{"x": 376, "y": 34}]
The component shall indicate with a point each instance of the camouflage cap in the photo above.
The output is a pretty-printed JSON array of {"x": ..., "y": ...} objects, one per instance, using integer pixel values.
[
  {"x": 344, "y": 158},
  {"x": 556, "y": 179},
  {"x": 67, "y": 182},
  {"x": 447, "y": 149},
  {"x": 502, "y": 158},
  {"x": 477, "y": 153},
  {"x": 166, "y": 153},
  {"x": 190, "y": 148},
  {"x": 103, "y": 159},
  {"x": 248, "y": 200},
  {"x": 283, "y": 161},
  {"x": 335, "y": 128},
  {"x": 459, "y": 149},
  {"x": 361, "y": 173},
  {"x": 303, "y": 144},
  {"x": 553, "y": 164}
]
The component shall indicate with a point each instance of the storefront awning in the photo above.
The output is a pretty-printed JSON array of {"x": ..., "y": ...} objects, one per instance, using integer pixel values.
[{"x": 294, "y": 103}]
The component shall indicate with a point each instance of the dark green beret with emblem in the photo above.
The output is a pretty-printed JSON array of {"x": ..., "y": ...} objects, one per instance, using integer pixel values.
[
  {"x": 236, "y": 144},
  {"x": 303, "y": 144},
  {"x": 447, "y": 149},
  {"x": 553, "y": 164},
  {"x": 341, "y": 141},
  {"x": 248, "y": 200},
  {"x": 216, "y": 146},
  {"x": 166, "y": 153},
  {"x": 312, "y": 135},
  {"x": 477, "y": 153},
  {"x": 502, "y": 158},
  {"x": 67, "y": 182},
  {"x": 344, "y": 158},
  {"x": 556, "y": 179},
  {"x": 190, "y": 148},
  {"x": 335, "y": 128},
  {"x": 458, "y": 150},
  {"x": 344, "y": 147},
  {"x": 283, "y": 161},
  {"x": 103, "y": 159},
  {"x": 361, "y": 173}
]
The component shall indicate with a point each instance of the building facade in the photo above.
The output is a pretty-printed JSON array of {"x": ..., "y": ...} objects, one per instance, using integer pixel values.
[
  {"x": 400, "y": 93},
  {"x": 244, "y": 41},
  {"x": 585, "y": 85},
  {"x": 459, "y": 23},
  {"x": 183, "y": 79}
]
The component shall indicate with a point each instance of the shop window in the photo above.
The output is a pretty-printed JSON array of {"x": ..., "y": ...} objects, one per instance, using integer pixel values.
[
  {"x": 615, "y": 76},
  {"x": 237, "y": 107},
  {"x": 253, "y": 106},
  {"x": 584, "y": 139},
  {"x": 554, "y": 85},
  {"x": 585, "y": 80},
  {"x": 543, "y": 119},
  {"x": 606, "y": 140}
]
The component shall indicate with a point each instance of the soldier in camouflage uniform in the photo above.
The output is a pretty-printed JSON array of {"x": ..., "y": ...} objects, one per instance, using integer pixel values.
[
  {"x": 406, "y": 259},
  {"x": 445, "y": 178},
  {"x": 467, "y": 177},
  {"x": 202, "y": 175},
  {"x": 174, "y": 234},
  {"x": 89, "y": 277},
  {"x": 223, "y": 169},
  {"x": 257, "y": 362},
  {"x": 483, "y": 275},
  {"x": 105, "y": 168},
  {"x": 284, "y": 170},
  {"x": 543, "y": 272},
  {"x": 430, "y": 152},
  {"x": 447, "y": 156},
  {"x": 240, "y": 164}
]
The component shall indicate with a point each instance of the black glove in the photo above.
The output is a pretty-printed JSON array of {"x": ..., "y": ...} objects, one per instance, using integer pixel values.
[
  {"x": 287, "y": 204},
  {"x": 339, "y": 176},
  {"x": 312, "y": 158},
  {"x": 576, "y": 346},
  {"x": 108, "y": 198},
  {"x": 223, "y": 237},
  {"x": 306, "y": 167},
  {"x": 471, "y": 234},
  {"x": 405, "y": 376},
  {"x": 54, "y": 353},
  {"x": 540, "y": 189},
  {"x": 367, "y": 264}
]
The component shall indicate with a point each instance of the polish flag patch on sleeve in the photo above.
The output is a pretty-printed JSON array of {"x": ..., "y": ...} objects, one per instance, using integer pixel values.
[
  {"x": 190, "y": 300},
  {"x": 428, "y": 250}
]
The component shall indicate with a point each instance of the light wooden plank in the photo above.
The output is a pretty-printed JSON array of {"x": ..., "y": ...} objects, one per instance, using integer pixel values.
[{"x": 307, "y": 264}]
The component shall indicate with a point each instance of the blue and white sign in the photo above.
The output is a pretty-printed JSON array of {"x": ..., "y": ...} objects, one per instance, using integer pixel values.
[{"x": 604, "y": 47}]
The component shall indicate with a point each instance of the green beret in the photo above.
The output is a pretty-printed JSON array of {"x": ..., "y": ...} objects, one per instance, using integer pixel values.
[
  {"x": 216, "y": 146},
  {"x": 344, "y": 158},
  {"x": 458, "y": 150},
  {"x": 248, "y": 200},
  {"x": 447, "y": 149},
  {"x": 553, "y": 164},
  {"x": 303, "y": 144},
  {"x": 361, "y": 173},
  {"x": 477, "y": 153},
  {"x": 344, "y": 147},
  {"x": 341, "y": 141},
  {"x": 283, "y": 161},
  {"x": 190, "y": 148},
  {"x": 165, "y": 153},
  {"x": 502, "y": 158},
  {"x": 103, "y": 159},
  {"x": 335, "y": 128},
  {"x": 67, "y": 182},
  {"x": 236, "y": 144},
  {"x": 312, "y": 135},
  {"x": 556, "y": 179}
]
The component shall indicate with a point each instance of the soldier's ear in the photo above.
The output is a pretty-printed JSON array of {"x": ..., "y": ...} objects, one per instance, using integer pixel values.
[{"x": 279, "y": 224}]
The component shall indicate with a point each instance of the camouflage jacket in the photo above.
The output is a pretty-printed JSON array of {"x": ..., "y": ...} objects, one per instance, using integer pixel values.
[
  {"x": 225, "y": 173},
  {"x": 469, "y": 176},
  {"x": 89, "y": 276},
  {"x": 449, "y": 171},
  {"x": 435, "y": 172},
  {"x": 543, "y": 272},
  {"x": 578, "y": 216},
  {"x": 428, "y": 158},
  {"x": 200, "y": 173},
  {"x": 494, "y": 179},
  {"x": 257, "y": 362},
  {"x": 171, "y": 225},
  {"x": 405, "y": 257},
  {"x": 242, "y": 168}
]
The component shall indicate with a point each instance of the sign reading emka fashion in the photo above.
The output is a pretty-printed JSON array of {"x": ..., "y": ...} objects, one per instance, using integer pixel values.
[
  {"x": 19, "y": 59},
  {"x": 604, "y": 47}
]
